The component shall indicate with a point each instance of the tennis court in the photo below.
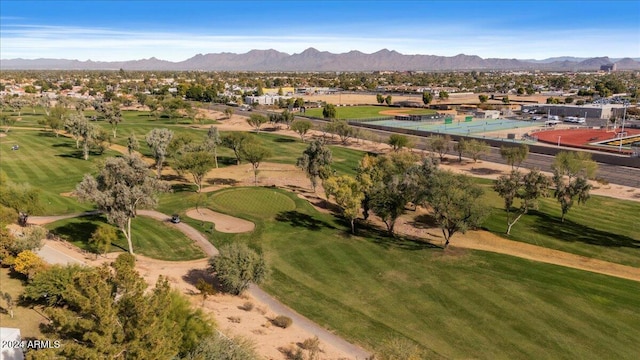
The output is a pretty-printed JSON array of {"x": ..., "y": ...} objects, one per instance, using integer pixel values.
[{"x": 473, "y": 127}]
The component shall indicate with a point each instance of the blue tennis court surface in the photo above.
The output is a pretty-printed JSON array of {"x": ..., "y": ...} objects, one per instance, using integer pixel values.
[{"x": 476, "y": 126}]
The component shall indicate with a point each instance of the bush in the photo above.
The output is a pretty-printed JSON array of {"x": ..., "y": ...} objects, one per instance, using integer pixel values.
[
  {"x": 237, "y": 266},
  {"x": 247, "y": 306},
  {"x": 220, "y": 347},
  {"x": 282, "y": 321}
]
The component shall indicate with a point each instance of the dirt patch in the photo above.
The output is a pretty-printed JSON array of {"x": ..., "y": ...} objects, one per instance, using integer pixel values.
[{"x": 223, "y": 223}]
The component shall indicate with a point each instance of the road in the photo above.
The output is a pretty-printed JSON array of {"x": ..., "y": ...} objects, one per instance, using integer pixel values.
[{"x": 613, "y": 174}]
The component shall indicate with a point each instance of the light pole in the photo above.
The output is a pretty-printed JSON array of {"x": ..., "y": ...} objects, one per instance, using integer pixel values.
[
  {"x": 624, "y": 115},
  {"x": 559, "y": 136}
]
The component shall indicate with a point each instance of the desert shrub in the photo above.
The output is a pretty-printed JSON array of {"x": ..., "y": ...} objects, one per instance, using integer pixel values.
[
  {"x": 247, "y": 306},
  {"x": 235, "y": 319},
  {"x": 399, "y": 349},
  {"x": 282, "y": 321},
  {"x": 237, "y": 266},
  {"x": 219, "y": 347}
]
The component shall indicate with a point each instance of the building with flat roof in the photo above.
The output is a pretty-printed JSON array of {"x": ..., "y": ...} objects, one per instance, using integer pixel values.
[{"x": 590, "y": 111}]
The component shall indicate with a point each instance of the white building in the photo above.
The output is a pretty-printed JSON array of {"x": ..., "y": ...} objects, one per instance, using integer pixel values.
[
  {"x": 488, "y": 114},
  {"x": 264, "y": 99}
]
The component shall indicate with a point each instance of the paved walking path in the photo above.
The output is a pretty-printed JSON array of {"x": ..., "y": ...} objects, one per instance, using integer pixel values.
[{"x": 55, "y": 256}]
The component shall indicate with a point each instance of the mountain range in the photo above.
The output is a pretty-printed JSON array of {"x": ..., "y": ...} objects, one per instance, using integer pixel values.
[{"x": 312, "y": 60}]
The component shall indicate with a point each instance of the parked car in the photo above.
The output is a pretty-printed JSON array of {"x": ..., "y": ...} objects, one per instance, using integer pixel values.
[{"x": 175, "y": 218}]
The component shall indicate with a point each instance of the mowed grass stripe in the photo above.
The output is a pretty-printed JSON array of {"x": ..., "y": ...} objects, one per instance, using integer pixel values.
[{"x": 161, "y": 241}]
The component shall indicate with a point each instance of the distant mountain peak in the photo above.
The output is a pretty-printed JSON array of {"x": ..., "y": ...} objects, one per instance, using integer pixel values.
[{"x": 312, "y": 59}]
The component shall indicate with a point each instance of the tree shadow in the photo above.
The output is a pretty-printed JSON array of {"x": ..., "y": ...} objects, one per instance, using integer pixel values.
[
  {"x": 484, "y": 171},
  {"x": 78, "y": 231},
  {"x": 570, "y": 231},
  {"x": 297, "y": 219},
  {"x": 63, "y": 144},
  {"x": 184, "y": 187},
  {"x": 284, "y": 140},
  {"x": 173, "y": 177},
  {"x": 380, "y": 236},
  {"x": 221, "y": 181},
  {"x": 227, "y": 160},
  {"x": 194, "y": 275}
]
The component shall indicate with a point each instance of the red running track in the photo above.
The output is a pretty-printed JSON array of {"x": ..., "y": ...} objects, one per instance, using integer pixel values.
[{"x": 581, "y": 138}]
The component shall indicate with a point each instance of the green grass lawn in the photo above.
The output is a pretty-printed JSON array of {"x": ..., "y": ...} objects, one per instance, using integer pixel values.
[
  {"x": 455, "y": 304},
  {"x": 150, "y": 237},
  {"x": 603, "y": 228},
  {"x": 365, "y": 112},
  {"x": 50, "y": 163}
]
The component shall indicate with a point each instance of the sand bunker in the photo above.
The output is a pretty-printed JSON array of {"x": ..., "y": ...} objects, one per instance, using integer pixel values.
[{"x": 224, "y": 223}]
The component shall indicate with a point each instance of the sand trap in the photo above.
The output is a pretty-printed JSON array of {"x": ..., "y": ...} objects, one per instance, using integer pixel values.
[{"x": 224, "y": 223}]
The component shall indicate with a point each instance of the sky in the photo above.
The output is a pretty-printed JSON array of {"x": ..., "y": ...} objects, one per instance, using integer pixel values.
[{"x": 120, "y": 30}]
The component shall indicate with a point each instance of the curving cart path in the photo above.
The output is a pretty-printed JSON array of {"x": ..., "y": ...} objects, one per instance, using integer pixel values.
[{"x": 355, "y": 352}]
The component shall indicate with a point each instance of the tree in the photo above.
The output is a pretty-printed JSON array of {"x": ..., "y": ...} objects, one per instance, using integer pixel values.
[
  {"x": 393, "y": 185},
  {"x": 483, "y": 98},
  {"x": 301, "y": 126},
  {"x": 388, "y": 100},
  {"x": 237, "y": 266},
  {"x": 122, "y": 185},
  {"x": 390, "y": 182},
  {"x": 348, "y": 195},
  {"x": 255, "y": 153},
  {"x": 132, "y": 144},
  {"x": 28, "y": 264},
  {"x": 427, "y": 97},
  {"x": 73, "y": 126},
  {"x": 7, "y": 121},
  {"x": 212, "y": 141},
  {"x": 153, "y": 105},
  {"x": 87, "y": 133},
  {"x": 505, "y": 99},
  {"x": 102, "y": 238},
  {"x": 380, "y": 98},
  {"x": 205, "y": 289},
  {"x": 48, "y": 287},
  {"x": 398, "y": 141},
  {"x": 55, "y": 119},
  {"x": 235, "y": 141},
  {"x": 329, "y": 111},
  {"x": 342, "y": 129},
  {"x": 228, "y": 112},
  {"x": 23, "y": 198},
  {"x": 158, "y": 140},
  {"x": 287, "y": 118},
  {"x": 9, "y": 303},
  {"x": 440, "y": 144},
  {"x": 528, "y": 188},
  {"x": 460, "y": 147},
  {"x": 256, "y": 121},
  {"x": 108, "y": 313},
  {"x": 113, "y": 115},
  {"x": 443, "y": 95},
  {"x": 171, "y": 106},
  {"x": 456, "y": 205},
  {"x": 475, "y": 148},
  {"x": 514, "y": 155},
  {"x": 197, "y": 163},
  {"x": 316, "y": 162},
  {"x": 571, "y": 171}
]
